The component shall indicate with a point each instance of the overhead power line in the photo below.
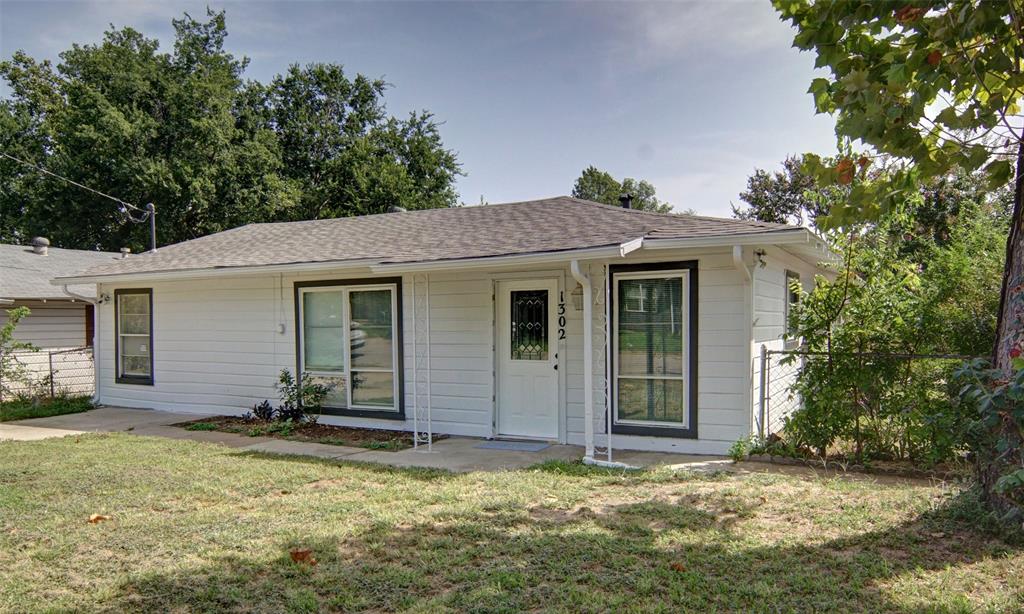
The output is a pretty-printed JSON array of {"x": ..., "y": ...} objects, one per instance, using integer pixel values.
[{"x": 148, "y": 213}]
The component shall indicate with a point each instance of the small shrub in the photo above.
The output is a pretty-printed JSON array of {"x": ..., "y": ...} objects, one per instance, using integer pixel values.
[
  {"x": 264, "y": 412},
  {"x": 301, "y": 399},
  {"x": 740, "y": 449}
]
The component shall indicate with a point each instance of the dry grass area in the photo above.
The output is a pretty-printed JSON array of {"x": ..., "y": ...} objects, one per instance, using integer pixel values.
[{"x": 198, "y": 527}]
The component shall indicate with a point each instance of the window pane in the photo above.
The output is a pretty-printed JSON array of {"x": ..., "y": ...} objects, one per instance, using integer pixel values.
[
  {"x": 134, "y": 325},
  {"x": 134, "y": 346},
  {"x": 338, "y": 395},
  {"x": 133, "y": 303},
  {"x": 651, "y": 400},
  {"x": 323, "y": 331},
  {"x": 373, "y": 388},
  {"x": 135, "y": 365},
  {"x": 529, "y": 324},
  {"x": 371, "y": 338},
  {"x": 651, "y": 325}
]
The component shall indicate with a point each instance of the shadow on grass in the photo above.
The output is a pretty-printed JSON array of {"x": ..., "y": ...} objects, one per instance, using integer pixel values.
[
  {"x": 417, "y": 473},
  {"x": 646, "y": 556}
]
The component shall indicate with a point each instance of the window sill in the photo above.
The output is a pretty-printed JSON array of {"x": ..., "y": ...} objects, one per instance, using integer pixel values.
[
  {"x": 380, "y": 414},
  {"x": 135, "y": 381},
  {"x": 655, "y": 431}
]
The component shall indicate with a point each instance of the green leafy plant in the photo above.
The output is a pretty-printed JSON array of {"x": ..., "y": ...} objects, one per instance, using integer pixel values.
[
  {"x": 11, "y": 369},
  {"x": 740, "y": 449},
  {"x": 301, "y": 399},
  {"x": 996, "y": 430}
]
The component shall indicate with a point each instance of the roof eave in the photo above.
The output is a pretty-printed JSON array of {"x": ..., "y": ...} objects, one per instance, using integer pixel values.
[
  {"x": 615, "y": 250},
  {"x": 212, "y": 272}
]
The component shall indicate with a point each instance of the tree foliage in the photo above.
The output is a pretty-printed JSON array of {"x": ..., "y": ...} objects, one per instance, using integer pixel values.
[
  {"x": 12, "y": 371},
  {"x": 184, "y": 130},
  {"x": 932, "y": 85},
  {"x": 936, "y": 294},
  {"x": 787, "y": 196},
  {"x": 599, "y": 186}
]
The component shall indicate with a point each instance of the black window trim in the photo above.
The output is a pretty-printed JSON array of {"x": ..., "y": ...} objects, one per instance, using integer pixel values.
[
  {"x": 118, "y": 376},
  {"x": 398, "y": 340},
  {"x": 689, "y": 432}
]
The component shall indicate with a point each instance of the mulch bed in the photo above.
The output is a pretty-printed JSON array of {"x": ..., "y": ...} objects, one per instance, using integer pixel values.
[{"x": 374, "y": 439}]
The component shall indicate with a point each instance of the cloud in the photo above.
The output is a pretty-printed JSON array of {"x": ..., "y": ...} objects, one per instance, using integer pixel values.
[{"x": 653, "y": 33}]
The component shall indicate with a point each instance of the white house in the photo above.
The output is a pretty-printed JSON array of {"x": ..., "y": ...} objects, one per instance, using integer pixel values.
[
  {"x": 58, "y": 322},
  {"x": 556, "y": 319}
]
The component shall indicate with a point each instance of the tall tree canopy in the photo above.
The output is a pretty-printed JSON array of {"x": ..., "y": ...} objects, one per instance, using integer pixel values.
[
  {"x": 931, "y": 85},
  {"x": 787, "y": 196},
  {"x": 184, "y": 130},
  {"x": 599, "y": 186}
]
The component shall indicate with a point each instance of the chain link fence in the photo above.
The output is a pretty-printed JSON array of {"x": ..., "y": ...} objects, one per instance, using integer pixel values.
[
  {"x": 49, "y": 373},
  {"x": 780, "y": 369}
]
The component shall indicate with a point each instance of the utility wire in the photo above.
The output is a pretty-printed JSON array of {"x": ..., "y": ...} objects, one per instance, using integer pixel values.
[{"x": 124, "y": 204}]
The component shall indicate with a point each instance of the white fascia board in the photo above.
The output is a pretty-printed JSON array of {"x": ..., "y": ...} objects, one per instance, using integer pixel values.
[
  {"x": 590, "y": 253},
  {"x": 774, "y": 237},
  {"x": 806, "y": 242},
  {"x": 298, "y": 267}
]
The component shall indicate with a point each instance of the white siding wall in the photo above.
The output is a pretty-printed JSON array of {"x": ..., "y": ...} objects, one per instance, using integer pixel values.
[
  {"x": 52, "y": 324},
  {"x": 770, "y": 295},
  {"x": 217, "y": 349}
]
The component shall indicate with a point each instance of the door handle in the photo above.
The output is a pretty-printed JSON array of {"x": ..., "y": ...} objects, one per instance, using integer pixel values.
[{"x": 556, "y": 366}]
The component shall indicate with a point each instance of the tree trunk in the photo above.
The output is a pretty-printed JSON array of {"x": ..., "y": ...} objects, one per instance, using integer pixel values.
[{"x": 1009, "y": 338}]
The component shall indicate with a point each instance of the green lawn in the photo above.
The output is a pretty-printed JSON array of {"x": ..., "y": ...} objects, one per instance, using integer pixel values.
[
  {"x": 198, "y": 527},
  {"x": 23, "y": 409}
]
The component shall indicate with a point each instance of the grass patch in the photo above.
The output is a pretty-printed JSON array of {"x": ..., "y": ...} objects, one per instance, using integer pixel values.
[
  {"x": 23, "y": 409},
  {"x": 200, "y": 527}
]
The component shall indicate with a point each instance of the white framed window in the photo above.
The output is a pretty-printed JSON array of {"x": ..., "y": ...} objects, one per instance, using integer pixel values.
[
  {"x": 349, "y": 336},
  {"x": 133, "y": 337},
  {"x": 792, "y": 300},
  {"x": 652, "y": 349}
]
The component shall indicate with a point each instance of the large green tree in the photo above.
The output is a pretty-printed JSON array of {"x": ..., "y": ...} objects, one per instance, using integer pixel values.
[
  {"x": 930, "y": 85},
  {"x": 787, "y": 196},
  {"x": 183, "y": 129},
  {"x": 599, "y": 186}
]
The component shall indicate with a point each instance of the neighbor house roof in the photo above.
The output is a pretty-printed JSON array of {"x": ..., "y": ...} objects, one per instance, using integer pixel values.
[
  {"x": 25, "y": 274},
  {"x": 558, "y": 224}
]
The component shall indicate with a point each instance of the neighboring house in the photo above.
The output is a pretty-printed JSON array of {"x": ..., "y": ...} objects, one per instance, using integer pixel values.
[
  {"x": 493, "y": 321},
  {"x": 57, "y": 321}
]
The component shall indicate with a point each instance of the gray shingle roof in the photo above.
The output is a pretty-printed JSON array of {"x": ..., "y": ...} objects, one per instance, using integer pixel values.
[
  {"x": 553, "y": 224},
  {"x": 26, "y": 275}
]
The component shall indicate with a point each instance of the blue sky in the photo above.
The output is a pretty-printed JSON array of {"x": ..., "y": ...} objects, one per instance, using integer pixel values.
[{"x": 691, "y": 96}]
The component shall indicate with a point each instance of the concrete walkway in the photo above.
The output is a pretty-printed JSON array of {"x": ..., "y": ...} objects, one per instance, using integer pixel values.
[{"x": 459, "y": 454}]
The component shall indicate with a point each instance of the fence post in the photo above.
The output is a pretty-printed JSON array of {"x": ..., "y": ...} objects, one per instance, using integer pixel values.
[
  {"x": 50, "y": 358},
  {"x": 763, "y": 393}
]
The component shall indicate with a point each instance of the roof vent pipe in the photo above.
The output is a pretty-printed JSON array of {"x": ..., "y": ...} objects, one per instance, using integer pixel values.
[
  {"x": 626, "y": 200},
  {"x": 40, "y": 245},
  {"x": 125, "y": 251}
]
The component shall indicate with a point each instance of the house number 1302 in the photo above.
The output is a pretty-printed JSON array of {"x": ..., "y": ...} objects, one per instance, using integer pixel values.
[{"x": 561, "y": 315}]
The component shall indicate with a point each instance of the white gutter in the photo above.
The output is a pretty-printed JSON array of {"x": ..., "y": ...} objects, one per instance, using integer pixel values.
[
  {"x": 214, "y": 272},
  {"x": 608, "y": 251},
  {"x": 792, "y": 236},
  {"x": 588, "y": 359},
  {"x": 76, "y": 296},
  {"x": 737, "y": 261},
  {"x": 374, "y": 266}
]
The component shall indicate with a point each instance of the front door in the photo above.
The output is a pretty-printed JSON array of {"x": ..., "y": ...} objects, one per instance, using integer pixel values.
[{"x": 527, "y": 359}]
